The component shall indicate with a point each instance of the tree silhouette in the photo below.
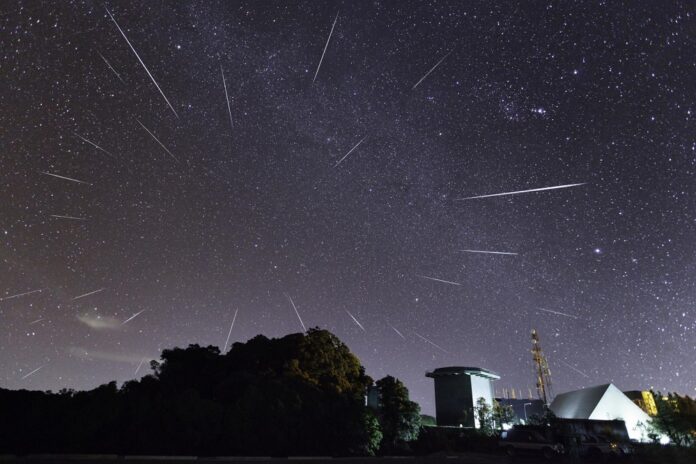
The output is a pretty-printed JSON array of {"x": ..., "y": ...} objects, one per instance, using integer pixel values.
[
  {"x": 399, "y": 417},
  {"x": 675, "y": 418},
  {"x": 299, "y": 394},
  {"x": 484, "y": 416},
  {"x": 502, "y": 414}
]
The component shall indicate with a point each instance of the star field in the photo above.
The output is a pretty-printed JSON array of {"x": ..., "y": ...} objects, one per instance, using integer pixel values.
[{"x": 274, "y": 195}]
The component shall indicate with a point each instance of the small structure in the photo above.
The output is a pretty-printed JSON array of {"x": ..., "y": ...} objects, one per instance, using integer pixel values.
[
  {"x": 644, "y": 400},
  {"x": 456, "y": 391},
  {"x": 372, "y": 397},
  {"x": 524, "y": 408},
  {"x": 603, "y": 402}
]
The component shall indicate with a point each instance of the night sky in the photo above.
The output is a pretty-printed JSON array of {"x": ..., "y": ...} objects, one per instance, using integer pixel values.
[{"x": 193, "y": 206}]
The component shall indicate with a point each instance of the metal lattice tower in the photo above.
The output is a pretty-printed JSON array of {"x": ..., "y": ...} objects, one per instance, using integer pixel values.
[{"x": 541, "y": 370}]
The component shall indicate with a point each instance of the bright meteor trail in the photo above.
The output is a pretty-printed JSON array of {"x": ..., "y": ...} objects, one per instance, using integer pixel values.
[
  {"x": 575, "y": 369},
  {"x": 397, "y": 332},
  {"x": 431, "y": 342},
  {"x": 558, "y": 313},
  {"x": 139, "y": 366},
  {"x": 142, "y": 63},
  {"x": 111, "y": 68},
  {"x": 88, "y": 294},
  {"x": 20, "y": 294},
  {"x": 158, "y": 141},
  {"x": 132, "y": 317},
  {"x": 490, "y": 252},
  {"x": 94, "y": 145},
  {"x": 524, "y": 191},
  {"x": 438, "y": 280},
  {"x": 65, "y": 178},
  {"x": 234, "y": 318},
  {"x": 350, "y": 151},
  {"x": 227, "y": 97},
  {"x": 304, "y": 329},
  {"x": 33, "y": 372},
  {"x": 356, "y": 321},
  {"x": 74, "y": 218},
  {"x": 431, "y": 70},
  {"x": 325, "y": 47}
]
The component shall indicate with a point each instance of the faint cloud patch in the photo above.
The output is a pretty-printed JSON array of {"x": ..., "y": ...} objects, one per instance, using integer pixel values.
[{"x": 95, "y": 321}]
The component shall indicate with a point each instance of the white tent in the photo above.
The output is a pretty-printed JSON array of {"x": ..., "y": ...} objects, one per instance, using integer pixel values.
[{"x": 603, "y": 402}]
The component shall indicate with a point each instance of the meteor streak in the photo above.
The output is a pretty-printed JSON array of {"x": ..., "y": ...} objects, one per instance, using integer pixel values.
[
  {"x": 575, "y": 369},
  {"x": 88, "y": 294},
  {"x": 350, "y": 151},
  {"x": 20, "y": 294},
  {"x": 157, "y": 140},
  {"x": 132, "y": 317},
  {"x": 111, "y": 68},
  {"x": 438, "y": 280},
  {"x": 94, "y": 145},
  {"x": 65, "y": 178},
  {"x": 139, "y": 366},
  {"x": 397, "y": 331},
  {"x": 142, "y": 63},
  {"x": 431, "y": 70},
  {"x": 34, "y": 322},
  {"x": 432, "y": 343},
  {"x": 356, "y": 321},
  {"x": 234, "y": 318},
  {"x": 490, "y": 252},
  {"x": 229, "y": 109},
  {"x": 59, "y": 216},
  {"x": 33, "y": 372},
  {"x": 296, "y": 312},
  {"x": 325, "y": 47},
  {"x": 524, "y": 191},
  {"x": 558, "y": 313}
]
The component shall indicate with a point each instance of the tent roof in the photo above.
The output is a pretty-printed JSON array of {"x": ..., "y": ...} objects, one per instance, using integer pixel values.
[{"x": 578, "y": 404}]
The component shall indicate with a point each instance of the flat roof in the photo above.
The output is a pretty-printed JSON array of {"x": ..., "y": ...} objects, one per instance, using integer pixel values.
[{"x": 460, "y": 370}]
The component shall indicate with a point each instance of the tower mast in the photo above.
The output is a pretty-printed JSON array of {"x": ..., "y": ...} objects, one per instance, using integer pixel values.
[{"x": 541, "y": 370}]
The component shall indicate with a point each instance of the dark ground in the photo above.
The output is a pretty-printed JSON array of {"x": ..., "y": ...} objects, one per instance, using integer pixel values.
[
  {"x": 87, "y": 459},
  {"x": 666, "y": 456}
]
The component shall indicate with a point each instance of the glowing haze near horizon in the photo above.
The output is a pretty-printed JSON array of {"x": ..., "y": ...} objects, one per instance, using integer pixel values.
[{"x": 244, "y": 208}]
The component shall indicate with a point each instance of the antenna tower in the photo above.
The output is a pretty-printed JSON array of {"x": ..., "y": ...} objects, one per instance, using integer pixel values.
[{"x": 541, "y": 370}]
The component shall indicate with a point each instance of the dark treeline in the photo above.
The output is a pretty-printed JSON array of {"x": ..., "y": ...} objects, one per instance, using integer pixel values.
[{"x": 297, "y": 395}]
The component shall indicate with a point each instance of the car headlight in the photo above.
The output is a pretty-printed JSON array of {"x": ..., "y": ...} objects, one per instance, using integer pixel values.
[{"x": 613, "y": 445}]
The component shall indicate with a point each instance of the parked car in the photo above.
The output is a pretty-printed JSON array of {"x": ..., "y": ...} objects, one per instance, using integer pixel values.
[
  {"x": 596, "y": 447},
  {"x": 516, "y": 441}
]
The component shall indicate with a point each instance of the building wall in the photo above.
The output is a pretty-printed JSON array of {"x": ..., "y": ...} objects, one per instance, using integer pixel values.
[
  {"x": 456, "y": 396},
  {"x": 454, "y": 405},
  {"x": 481, "y": 388}
]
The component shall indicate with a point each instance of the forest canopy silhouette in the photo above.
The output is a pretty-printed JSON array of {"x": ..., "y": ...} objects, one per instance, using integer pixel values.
[{"x": 299, "y": 394}]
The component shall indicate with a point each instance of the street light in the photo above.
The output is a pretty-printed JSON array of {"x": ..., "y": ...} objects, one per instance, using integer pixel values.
[{"x": 525, "y": 411}]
